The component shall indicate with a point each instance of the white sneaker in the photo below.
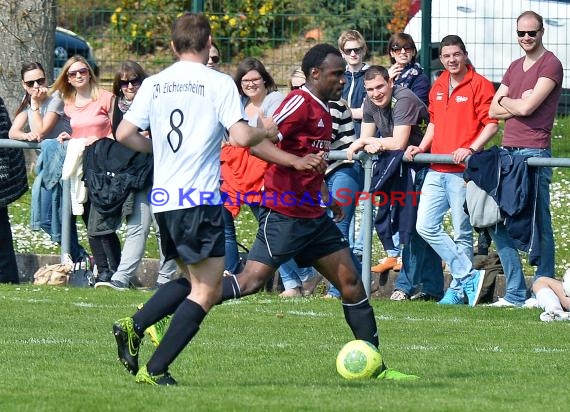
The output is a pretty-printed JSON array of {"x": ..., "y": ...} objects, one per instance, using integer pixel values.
[
  {"x": 503, "y": 303},
  {"x": 531, "y": 303},
  {"x": 554, "y": 315}
]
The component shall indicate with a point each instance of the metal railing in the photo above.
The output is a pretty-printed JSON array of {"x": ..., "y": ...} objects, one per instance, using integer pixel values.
[
  {"x": 65, "y": 201},
  {"x": 419, "y": 158},
  {"x": 366, "y": 222}
]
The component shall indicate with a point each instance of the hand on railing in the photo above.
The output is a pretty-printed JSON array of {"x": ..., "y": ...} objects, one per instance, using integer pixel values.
[{"x": 411, "y": 151}]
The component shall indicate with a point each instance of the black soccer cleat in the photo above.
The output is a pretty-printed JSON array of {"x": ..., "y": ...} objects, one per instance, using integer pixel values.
[
  {"x": 164, "y": 379},
  {"x": 128, "y": 344}
]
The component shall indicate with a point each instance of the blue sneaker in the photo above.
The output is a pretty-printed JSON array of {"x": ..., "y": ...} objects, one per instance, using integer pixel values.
[
  {"x": 451, "y": 297},
  {"x": 472, "y": 287}
]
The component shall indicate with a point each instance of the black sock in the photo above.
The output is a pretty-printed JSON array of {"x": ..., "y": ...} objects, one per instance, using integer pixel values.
[
  {"x": 230, "y": 288},
  {"x": 184, "y": 325},
  {"x": 360, "y": 318},
  {"x": 163, "y": 303}
]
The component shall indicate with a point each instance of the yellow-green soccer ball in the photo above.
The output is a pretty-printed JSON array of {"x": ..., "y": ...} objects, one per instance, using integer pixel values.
[{"x": 358, "y": 359}]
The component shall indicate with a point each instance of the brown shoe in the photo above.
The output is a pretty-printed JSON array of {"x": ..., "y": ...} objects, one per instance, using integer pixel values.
[
  {"x": 385, "y": 264},
  {"x": 398, "y": 266}
]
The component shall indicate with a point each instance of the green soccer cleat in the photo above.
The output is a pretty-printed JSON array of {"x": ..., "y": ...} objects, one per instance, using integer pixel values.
[
  {"x": 128, "y": 344},
  {"x": 164, "y": 379},
  {"x": 394, "y": 375},
  {"x": 156, "y": 332}
]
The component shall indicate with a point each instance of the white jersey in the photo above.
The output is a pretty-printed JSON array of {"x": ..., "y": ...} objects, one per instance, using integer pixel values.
[{"x": 187, "y": 106}]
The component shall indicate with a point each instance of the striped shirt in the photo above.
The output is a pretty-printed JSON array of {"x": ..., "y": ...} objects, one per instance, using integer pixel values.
[{"x": 343, "y": 133}]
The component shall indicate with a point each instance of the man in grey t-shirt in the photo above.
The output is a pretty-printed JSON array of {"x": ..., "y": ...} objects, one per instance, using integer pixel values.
[{"x": 400, "y": 118}]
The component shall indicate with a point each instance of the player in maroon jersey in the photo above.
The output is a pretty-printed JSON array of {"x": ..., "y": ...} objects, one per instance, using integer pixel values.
[{"x": 293, "y": 222}]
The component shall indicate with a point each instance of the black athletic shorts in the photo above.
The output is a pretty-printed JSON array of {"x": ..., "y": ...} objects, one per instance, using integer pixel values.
[
  {"x": 281, "y": 238},
  {"x": 193, "y": 234}
]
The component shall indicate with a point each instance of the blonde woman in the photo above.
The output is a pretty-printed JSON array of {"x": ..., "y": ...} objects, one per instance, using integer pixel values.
[{"x": 90, "y": 110}]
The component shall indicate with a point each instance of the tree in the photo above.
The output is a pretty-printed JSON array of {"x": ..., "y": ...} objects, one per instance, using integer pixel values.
[{"x": 27, "y": 33}]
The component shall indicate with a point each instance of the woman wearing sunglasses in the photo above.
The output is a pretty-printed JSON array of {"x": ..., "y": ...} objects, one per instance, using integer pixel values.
[
  {"x": 126, "y": 84},
  {"x": 90, "y": 110},
  {"x": 214, "y": 57},
  {"x": 41, "y": 118},
  {"x": 405, "y": 70}
]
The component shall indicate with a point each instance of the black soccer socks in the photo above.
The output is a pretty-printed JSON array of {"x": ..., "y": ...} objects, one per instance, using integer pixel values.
[
  {"x": 360, "y": 318},
  {"x": 184, "y": 325},
  {"x": 163, "y": 303}
]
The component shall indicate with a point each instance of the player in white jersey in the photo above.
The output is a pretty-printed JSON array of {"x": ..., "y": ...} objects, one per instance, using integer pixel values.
[{"x": 187, "y": 107}]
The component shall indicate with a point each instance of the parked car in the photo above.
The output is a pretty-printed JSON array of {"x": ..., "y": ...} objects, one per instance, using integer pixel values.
[
  {"x": 488, "y": 30},
  {"x": 68, "y": 44}
]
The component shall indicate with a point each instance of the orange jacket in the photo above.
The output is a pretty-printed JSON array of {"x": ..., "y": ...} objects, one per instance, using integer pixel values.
[
  {"x": 459, "y": 118},
  {"x": 242, "y": 173}
]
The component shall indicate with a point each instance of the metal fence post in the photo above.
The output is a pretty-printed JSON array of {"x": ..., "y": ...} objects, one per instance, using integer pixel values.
[
  {"x": 198, "y": 6},
  {"x": 366, "y": 225},
  {"x": 425, "y": 52},
  {"x": 65, "y": 220}
]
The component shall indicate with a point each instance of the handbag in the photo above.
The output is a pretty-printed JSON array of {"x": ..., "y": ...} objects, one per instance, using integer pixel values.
[
  {"x": 53, "y": 275},
  {"x": 483, "y": 209},
  {"x": 82, "y": 274}
]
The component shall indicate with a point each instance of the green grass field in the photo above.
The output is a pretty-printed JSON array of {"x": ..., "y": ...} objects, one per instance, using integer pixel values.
[{"x": 263, "y": 353}]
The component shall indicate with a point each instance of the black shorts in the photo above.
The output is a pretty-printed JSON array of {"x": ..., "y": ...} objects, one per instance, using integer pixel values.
[
  {"x": 192, "y": 234},
  {"x": 281, "y": 238}
]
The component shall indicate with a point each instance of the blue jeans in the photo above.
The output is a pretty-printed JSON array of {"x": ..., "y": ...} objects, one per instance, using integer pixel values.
[
  {"x": 442, "y": 192},
  {"x": 293, "y": 276},
  {"x": 345, "y": 181},
  {"x": 396, "y": 251},
  {"x": 421, "y": 268},
  {"x": 421, "y": 265},
  {"x": 543, "y": 218},
  {"x": 48, "y": 201},
  {"x": 138, "y": 229},
  {"x": 515, "y": 289},
  {"x": 231, "y": 259}
]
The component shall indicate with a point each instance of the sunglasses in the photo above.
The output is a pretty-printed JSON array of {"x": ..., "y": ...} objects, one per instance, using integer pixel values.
[
  {"x": 531, "y": 33},
  {"x": 136, "y": 82},
  {"x": 215, "y": 59},
  {"x": 398, "y": 49},
  {"x": 30, "y": 83},
  {"x": 356, "y": 50},
  {"x": 73, "y": 73}
]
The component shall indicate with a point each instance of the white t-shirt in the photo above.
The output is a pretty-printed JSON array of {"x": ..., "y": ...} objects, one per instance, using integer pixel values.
[{"x": 187, "y": 106}]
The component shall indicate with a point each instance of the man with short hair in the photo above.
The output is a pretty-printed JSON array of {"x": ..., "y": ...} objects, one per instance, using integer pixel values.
[
  {"x": 187, "y": 106},
  {"x": 459, "y": 125},
  {"x": 352, "y": 46},
  {"x": 400, "y": 117},
  {"x": 527, "y": 100},
  {"x": 292, "y": 223}
]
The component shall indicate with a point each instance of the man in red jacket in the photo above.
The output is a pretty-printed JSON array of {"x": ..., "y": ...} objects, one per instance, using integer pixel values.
[{"x": 459, "y": 125}]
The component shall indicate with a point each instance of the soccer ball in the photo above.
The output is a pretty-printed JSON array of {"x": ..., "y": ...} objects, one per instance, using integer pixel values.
[
  {"x": 566, "y": 282},
  {"x": 358, "y": 359}
]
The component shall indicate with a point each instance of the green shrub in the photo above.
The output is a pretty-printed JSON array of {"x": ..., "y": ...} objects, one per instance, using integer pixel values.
[{"x": 144, "y": 25}]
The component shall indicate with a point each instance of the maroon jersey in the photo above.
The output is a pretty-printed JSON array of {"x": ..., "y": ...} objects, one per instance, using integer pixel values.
[{"x": 305, "y": 127}]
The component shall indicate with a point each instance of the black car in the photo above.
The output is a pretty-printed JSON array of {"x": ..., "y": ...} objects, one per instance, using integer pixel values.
[{"x": 68, "y": 44}]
